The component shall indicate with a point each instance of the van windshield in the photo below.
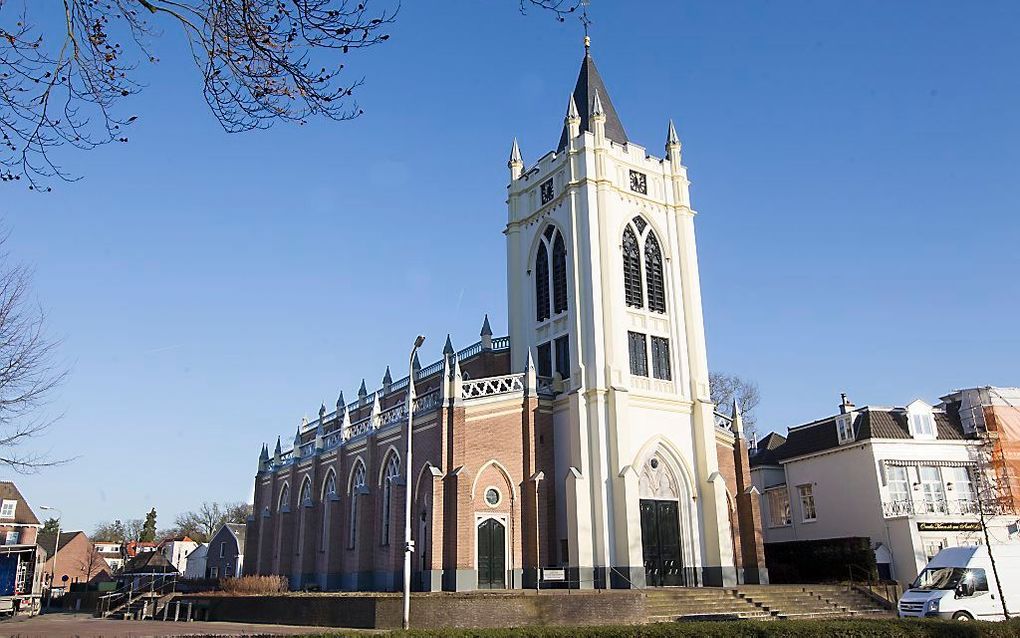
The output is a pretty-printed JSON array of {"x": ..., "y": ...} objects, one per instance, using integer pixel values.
[{"x": 939, "y": 578}]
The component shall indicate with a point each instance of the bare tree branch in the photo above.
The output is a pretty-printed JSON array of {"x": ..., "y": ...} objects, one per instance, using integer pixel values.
[
  {"x": 262, "y": 61},
  {"x": 726, "y": 387}
]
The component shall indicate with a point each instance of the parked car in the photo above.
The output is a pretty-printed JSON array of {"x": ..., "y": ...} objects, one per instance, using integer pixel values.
[{"x": 959, "y": 583}]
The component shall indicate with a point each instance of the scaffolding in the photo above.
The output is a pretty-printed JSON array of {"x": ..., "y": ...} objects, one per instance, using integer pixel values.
[{"x": 993, "y": 414}]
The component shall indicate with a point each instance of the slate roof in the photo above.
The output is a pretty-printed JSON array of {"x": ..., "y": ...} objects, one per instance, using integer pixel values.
[
  {"x": 149, "y": 563},
  {"x": 240, "y": 530},
  {"x": 588, "y": 82},
  {"x": 869, "y": 423},
  {"x": 46, "y": 540},
  {"x": 23, "y": 514},
  {"x": 766, "y": 449}
]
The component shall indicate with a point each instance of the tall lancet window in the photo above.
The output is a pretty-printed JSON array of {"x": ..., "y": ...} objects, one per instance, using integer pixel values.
[
  {"x": 653, "y": 274},
  {"x": 392, "y": 472},
  {"x": 305, "y": 496},
  {"x": 559, "y": 275},
  {"x": 328, "y": 496},
  {"x": 357, "y": 487},
  {"x": 546, "y": 305},
  {"x": 542, "y": 283},
  {"x": 632, "y": 269}
]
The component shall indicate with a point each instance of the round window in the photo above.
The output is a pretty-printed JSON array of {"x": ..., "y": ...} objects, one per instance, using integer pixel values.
[{"x": 492, "y": 497}]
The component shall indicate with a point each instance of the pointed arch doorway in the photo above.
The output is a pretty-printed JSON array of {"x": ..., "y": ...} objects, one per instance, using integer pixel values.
[
  {"x": 661, "y": 534},
  {"x": 491, "y": 547}
]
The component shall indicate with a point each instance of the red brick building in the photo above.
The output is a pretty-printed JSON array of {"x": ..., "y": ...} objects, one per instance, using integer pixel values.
[{"x": 581, "y": 451}]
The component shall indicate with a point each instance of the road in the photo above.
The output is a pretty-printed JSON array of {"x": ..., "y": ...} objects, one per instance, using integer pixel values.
[{"x": 84, "y": 626}]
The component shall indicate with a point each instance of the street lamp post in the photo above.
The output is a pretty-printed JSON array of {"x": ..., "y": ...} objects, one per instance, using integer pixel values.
[
  {"x": 408, "y": 543},
  {"x": 56, "y": 546}
]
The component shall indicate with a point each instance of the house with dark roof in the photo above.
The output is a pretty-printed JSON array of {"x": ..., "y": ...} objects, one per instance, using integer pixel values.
[
  {"x": 226, "y": 552},
  {"x": 70, "y": 560},
  {"x": 907, "y": 478}
]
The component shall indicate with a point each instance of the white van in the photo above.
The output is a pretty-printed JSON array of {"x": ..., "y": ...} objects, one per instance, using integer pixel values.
[{"x": 959, "y": 584}]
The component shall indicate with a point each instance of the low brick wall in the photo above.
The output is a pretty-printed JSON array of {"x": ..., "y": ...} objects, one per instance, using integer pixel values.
[{"x": 428, "y": 610}]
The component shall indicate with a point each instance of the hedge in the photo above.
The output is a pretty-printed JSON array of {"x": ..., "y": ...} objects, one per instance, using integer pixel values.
[{"x": 850, "y": 628}]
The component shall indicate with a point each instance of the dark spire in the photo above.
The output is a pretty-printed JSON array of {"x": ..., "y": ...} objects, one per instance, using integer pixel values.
[
  {"x": 278, "y": 450},
  {"x": 387, "y": 378},
  {"x": 340, "y": 404},
  {"x": 588, "y": 83},
  {"x": 362, "y": 391},
  {"x": 448, "y": 348},
  {"x": 486, "y": 329}
]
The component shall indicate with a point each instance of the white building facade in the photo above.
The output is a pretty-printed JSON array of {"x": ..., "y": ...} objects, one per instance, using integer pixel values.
[{"x": 908, "y": 478}]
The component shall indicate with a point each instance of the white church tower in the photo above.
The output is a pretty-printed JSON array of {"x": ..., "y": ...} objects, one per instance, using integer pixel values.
[{"x": 604, "y": 294}]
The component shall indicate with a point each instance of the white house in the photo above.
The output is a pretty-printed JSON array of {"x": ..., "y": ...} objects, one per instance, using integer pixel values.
[
  {"x": 907, "y": 478},
  {"x": 177, "y": 550},
  {"x": 196, "y": 561}
]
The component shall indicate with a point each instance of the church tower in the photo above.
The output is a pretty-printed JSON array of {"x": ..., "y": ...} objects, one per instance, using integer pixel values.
[{"x": 604, "y": 295}]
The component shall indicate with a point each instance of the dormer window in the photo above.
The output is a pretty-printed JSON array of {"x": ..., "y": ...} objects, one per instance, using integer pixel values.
[
  {"x": 845, "y": 428},
  {"x": 921, "y": 421},
  {"x": 922, "y": 426}
]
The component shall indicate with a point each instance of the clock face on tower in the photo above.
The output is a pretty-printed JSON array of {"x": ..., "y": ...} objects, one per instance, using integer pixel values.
[
  {"x": 547, "y": 191},
  {"x": 638, "y": 182}
]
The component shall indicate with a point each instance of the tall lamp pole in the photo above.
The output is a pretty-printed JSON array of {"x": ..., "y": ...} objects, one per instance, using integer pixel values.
[
  {"x": 408, "y": 543},
  {"x": 56, "y": 546}
]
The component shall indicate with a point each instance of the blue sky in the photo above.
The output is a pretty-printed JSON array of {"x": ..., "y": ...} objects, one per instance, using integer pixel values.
[{"x": 854, "y": 166}]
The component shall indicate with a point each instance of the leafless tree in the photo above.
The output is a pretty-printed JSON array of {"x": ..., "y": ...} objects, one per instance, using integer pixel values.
[
  {"x": 92, "y": 563},
  {"x": 65, "y": 66},
  {"x": 28, "y": 371},
  {"x": 726, "y": 387},
  {"x": 130, "y": 530},
  {"x": 202, "y": 523}
]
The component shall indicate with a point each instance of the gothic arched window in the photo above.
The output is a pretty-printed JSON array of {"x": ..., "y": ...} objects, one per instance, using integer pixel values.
[
  {"x": 305, "y": 495},
  {"x": 284, "y": 498},
  {"x": 559, "y": 269},
  {"x": 542, "y": 283},
  {"x": 390, "y": 475},
  {"x": 653, "y": 274},
  {"x": 328, "y": 496},
  {"x": 632, "y": 269},
  {"x": 357, "y": 485}
]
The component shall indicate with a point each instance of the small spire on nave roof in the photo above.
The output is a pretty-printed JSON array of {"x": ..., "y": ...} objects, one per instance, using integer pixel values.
[
  {"x": 363, "y": 391},
  {"x": 448, "y": 348},
  {"x": 387, "y": 378},
  {"x": 671, "y": 136},
  {"x": 486, "y": 329}
]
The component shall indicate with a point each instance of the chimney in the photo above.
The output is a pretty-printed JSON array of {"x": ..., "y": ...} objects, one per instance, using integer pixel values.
[{"x": 845, "y": 406}]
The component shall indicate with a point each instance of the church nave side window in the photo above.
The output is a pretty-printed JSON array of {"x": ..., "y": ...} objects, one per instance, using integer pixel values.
[{"x": 550, "y": 275}]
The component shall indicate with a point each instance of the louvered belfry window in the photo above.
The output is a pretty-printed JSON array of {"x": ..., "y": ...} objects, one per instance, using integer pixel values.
[
  {"x": 632, "y": 269},
  {"x": 637, "y": 347},
  {"x": 559, "y": 267},
  {"x": 653, "y": 274},
  {"x": 542, "y": 283}
]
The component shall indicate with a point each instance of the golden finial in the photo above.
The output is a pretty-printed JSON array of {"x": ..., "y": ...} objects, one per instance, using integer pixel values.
[{"x": 587, "y": 43}]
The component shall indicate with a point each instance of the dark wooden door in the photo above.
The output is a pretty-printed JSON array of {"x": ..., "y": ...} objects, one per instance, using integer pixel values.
[
  {"x": 491, "y": 554},
  {"x": 660, "y": 543}
]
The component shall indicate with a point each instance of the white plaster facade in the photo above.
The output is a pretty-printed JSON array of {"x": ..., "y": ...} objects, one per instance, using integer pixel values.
[
  {"x": 872, "y": 486},
  {"x": 608, "y": 422}
]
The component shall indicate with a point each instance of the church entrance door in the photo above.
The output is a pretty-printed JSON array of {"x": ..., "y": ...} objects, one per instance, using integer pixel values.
[
  {"x": 491, "y": 554},
  {"x": 660, "y": 543}
]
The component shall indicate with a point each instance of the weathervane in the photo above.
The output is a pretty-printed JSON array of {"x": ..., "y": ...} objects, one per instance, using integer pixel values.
[{"x": 585, "y": 21}]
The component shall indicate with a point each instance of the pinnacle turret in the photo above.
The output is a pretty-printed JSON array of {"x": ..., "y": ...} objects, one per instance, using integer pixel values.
[{"x": 448, "y": 348}]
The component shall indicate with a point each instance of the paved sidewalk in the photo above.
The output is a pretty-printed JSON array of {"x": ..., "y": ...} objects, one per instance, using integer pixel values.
[{"x": 83, "y": 626}]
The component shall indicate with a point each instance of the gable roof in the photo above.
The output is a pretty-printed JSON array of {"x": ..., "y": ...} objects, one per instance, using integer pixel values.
[
  {"x": 588, "y": 83},
  {"x": 47, "y": 539},
  {"x": 869, "y": 423},
  {"x": 149, "y": 563},
  {"x": 239, "y": 531},
  {"x": 23, "y": 514}
]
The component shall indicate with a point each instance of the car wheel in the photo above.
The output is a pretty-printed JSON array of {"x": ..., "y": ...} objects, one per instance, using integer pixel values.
[{"x": 962, "y": 615}]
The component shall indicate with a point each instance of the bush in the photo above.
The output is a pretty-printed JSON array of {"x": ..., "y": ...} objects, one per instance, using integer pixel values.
[
  {"x": 851, "y": 628},
  {"x": 254, "y": 585}
]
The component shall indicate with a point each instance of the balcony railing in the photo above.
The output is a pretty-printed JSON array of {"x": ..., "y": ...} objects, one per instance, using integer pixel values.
[{"x": 908, "y": 507}]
